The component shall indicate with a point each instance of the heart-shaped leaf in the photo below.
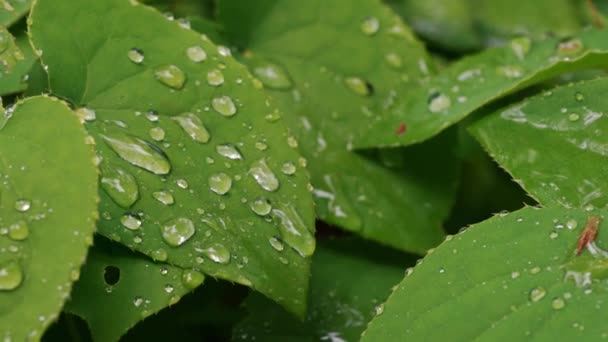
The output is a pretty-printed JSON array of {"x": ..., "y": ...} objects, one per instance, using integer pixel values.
[
  {"x": 191, "y": 148},
  {"x": 48, "y": 208}
]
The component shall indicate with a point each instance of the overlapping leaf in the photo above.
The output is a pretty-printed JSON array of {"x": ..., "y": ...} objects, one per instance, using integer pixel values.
[
  {"x": 473, "y": 82},
  {"x": 509, "y": 278},
  {"x": 48, "y": 210},
  {"x": 197, "y": 168},
  {"x": 13, "y": 10},
  {"x": 17, "y": 79},
  {"x": 334, "y": 67}
]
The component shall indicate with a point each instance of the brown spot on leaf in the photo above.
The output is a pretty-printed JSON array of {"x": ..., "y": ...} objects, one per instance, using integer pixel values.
[{"x": 589, "y": 233}]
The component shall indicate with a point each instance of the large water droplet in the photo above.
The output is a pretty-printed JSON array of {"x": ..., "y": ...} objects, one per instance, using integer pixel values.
[
  {"x": 157, "y": 133},
  {"x": 220, "y": 183},
  {"x": 537, "y": 294},
  {"x": 261, "y": 206},
  {"x": 229, "y": 151},
  {"x": 293, "y": 230},
  {"x": 163, "y": 197},
  {"x": 217, "y": 253},
  {"x": 11, "y": 276},
  {"x": 18, "y": 231},
  {"x": 171, "y": 76},
  {"x": 196, "y": 54},
  {"x": 358, "y": 86},
  {"x": 192, "y": 279},
  {"x": 264, "y": 176},
  {"x": 120, "y": 185},
  {"x": 370, "y": 26},
  {"x": 130, "y": 222},
  {"x": 136, "y": 55},
  {"x": 224, "y": 105},
  {"x": 23, "y": 205},
  {"x": 139, "y": 153},
  {"x": 215, "y": 78},
  {"x": 439, "y": 102},
  {"x": 272, "y": 75},
  {"x": 177, "y": 231},
  {"x": 193, "y": 126}
]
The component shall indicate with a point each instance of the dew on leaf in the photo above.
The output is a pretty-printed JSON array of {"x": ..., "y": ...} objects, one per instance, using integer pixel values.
[
  {"x": 537, "y": 294},
  {"x": 521, "y": 46},
  {"x": 11, "y": 276},
  {"x": 439, "y": 102},
  {"x": 138, "y": 301},
  {"x": 130, "y": 222},
  {"x": 264, "y": 176},
  {"x": 157, "y": 133},
  {"x": 177, "y": 231},
  {"x": 558, "y": 304},
  {"x": 370, "y": 26},
  {"x": 220, "y": 183},
  {"x": 510, "y": 71},
  {"x": 136, "y": 55},
  {"x": 272, "y": 75},
  {"x": 171, "y": 76},
  {"x": 159, "y": 254},
  {"x": 358, "y": 86},
  {"x": 224, "y": 105},
  {"x": 139, "y": 153},
  {"x": 163, "y": 197},
  {"x": 120, "y": 185},
  {"x": 261, "y": 206},
  {"x": 229, "y": 151},
  {"x": 276, "y": 244},
  {"x": 18, "y": 231},
  {"x": 394, "y": 60},
  {"x": 574, "y": 117},
  {"x": 182, "y": 184},
  {"x": 169, "y": 288},
  {"x": 23, "y": 205},
  {"x": 293, "y": 230},
  {"x": 579, "y": 96},
  {"x": 196, "y": 54},
  {"x": 86, "y": 114},
  {"x": 217, "y": 253},
  {"x": 215, "y": 78},
  {"x": 569, "y": 46},
  {"x": 192, "y": 279},
  {"x": 288, "y": 168},
  {"x": 193, "y": 127}
]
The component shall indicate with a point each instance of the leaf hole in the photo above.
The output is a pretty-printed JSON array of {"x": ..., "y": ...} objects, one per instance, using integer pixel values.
[{"x": 111, "y": 275}]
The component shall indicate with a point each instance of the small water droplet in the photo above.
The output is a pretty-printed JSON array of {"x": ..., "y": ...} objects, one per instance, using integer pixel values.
[
  {"x": 171, "y": 76},
  {"x": 229, "y": 151},
  {"x": 220, "y": 183},
  {"x": 272, "y": 75},
  {"x": 119, "y": 184},
  {"x": 138, "y": 301},
  {"x": 193, "y": 126},
  {"x": 558, "y": 304},
  {"x": 130, "y": 222},
  {"x": 537, "y": 294},
  {"x": 574, "y": 117},
  {"x": 23, "y": 205},
  {"x": 579, "y": 96},
  {"x": 215, "y": 78},
  {"x": 288, "y": 168},
  {"x": 177, "y": 231},
  {"x": 139, "y": 153},
  {"x": 439, "y": 102},
  {"x": 196, "y": 54},
  {"x": 11, "y": 276},
  {"x": 553, "y": 235},
  {"x": 86, "y": 115},
  {"x": 521, "y": 46},
  {"x": 510, "y": 71},
  {"x": 276, "y": 244},
  {"x": 163, "y": 197},
  {"x": 358, "y": 86},
  {"x": 571, "y": 224},
  {"x": 394, "y": 60},
  {"x": 18, "y": 231},
  {"x": 182, "y": 184},
  {"x": 223, "y": 51},
  {"x": 192, "y": 279},
  {"x": 169, "y": 288},
  {"x": 264, "y": 176},
  {"x": 157, "y": 133},
  {"x": 159, "y": 254},
  {"x": 569, "y": 46},
  {"x": 224, "y": 105},
  {"x": 136, "y": 55},
  {"x": 217, "y": 253},
  {"x": 261, "y": 206},
  {"x": 370, "y": 26}
]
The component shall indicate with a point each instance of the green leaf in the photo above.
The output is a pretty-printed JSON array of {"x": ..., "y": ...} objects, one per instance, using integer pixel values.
[
  {"x": 13, "y": 10},
  {"x": 48, "y": 210},
  {"x": 10, "y": 53},
  {"x": 473, "y": 24},
  {"x": 562, "y": 128},
  {"x": 511, "y": 278},
  {"x": 17, "y": 80},
  {"x": 475, "y": 81},
  {"x": 119, "y": 288},
  {"x": 350, "y": 279},
  {"x": 327, "y": 93},
  {"x": 191, "y": 148}
]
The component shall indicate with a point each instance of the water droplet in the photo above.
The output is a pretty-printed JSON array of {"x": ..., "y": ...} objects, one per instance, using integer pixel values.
[
  {"x": 152, "y": 116},
  {"x": 223, "y": 51},
  {"x": 292, "y": 141},
  {"x": 439, "y": 102},
  {"x": 288, "y": 168},
  {"x": 261, "y": 206},
  {"x": 169, "y": 288},
  {"x": 164, "y": 197},
  {"x": 276, "y": 244},
  {"x": 215, "y": 78},
  {"x": 569, "y": 46},
  {"x": 11, "y": 276},
  {"x": 139, "y": 153},
  {"x": 229, "y": 151},
  {"x": 86, "y": 114},
  {"x": 579, "y": 96},
  {"x": 272, "y": 75},
  {"x": 23, "y": 205},
  {"x": 537, "y": 294},
  {"x": 157, "y": 133},
  {"x": 192, "y": 279},
  {"x": 217, "y": 253},
  {"x": 264, "y": 176},
  {"x": 358, "y": 86},
  {"x": 136, "y": 55},
  {"x": 553, "y": 235},
  {"x": 130, "y": 222},
  {"x": 182, "y": 184},
  {"x": 293, "y": 230},
  {"x": 138, "y": 301},
  {"x": 171, "y": 76},
  {"x": 177, "y": 231},
  {"x": 510, "y": 71},
  {"x": 120, "y": 185},
  {"x": 159, "y": 255},
  {"x": 224, "y": 105},
  {"x": 571, "y": 224},
  {"x": 370, "y": 26},
  {"x": 558, "y": 304},
  {"x": 574, "y": 117},
  {"x": 18, "y": 231},
  {"x": 196, "y": 54},
  {"x": 521, "y": 46},
  {"x": 261, "y": 146},
  {"x": 220, "y": 183},
  {"x": 394, "y": 60},
  {"x": 193, "y": 126}
]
